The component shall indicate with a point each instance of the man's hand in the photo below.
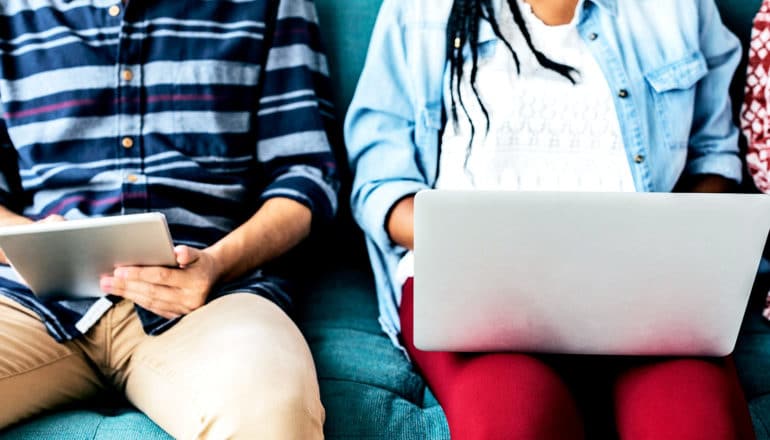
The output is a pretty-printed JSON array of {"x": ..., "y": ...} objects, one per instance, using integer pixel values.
[
  {"x": 167, "y": 292},
  {"x": 279, "y": 225}
]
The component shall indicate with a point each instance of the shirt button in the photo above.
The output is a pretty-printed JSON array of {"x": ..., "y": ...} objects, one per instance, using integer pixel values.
[
  {"x": 114, "y": 10},
  {"x": 638, "y": 158},
  {"x": 623, "y": 93},
  {"x": 127, "y": 142},
  {"x": 127, "y": 75},
  {"x": 593, "y": 36},
  {"x": 133, "y": 178}
]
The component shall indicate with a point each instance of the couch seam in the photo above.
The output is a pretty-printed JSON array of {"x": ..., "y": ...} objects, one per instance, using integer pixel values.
[{"x": 98, "y": 427}]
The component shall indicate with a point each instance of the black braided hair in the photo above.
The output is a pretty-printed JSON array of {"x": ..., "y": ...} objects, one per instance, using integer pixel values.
[{"x": 463, "y": 28}]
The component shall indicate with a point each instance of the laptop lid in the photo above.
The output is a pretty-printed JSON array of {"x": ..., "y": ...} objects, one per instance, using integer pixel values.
[{"x": 585, "y": 273}]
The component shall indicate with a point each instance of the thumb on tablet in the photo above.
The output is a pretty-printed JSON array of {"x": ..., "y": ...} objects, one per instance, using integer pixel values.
[
  {"x": 52, "y": 219},
  {"x": 185, "y": 255}
]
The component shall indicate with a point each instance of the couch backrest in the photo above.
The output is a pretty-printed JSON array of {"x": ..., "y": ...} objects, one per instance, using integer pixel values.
[
  {"x": 738, "y": 15},
  {"x": 346, "y": 27}
]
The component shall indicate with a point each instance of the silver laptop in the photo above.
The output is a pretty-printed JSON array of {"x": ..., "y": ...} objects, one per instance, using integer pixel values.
[{"x": 585, "y": 273}]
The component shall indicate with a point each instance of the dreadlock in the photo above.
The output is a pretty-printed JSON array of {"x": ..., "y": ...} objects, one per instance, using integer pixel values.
[{"x": 463, "y": 28}]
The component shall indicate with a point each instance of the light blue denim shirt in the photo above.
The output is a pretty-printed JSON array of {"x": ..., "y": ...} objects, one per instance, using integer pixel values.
[{"x": 670, "y": 64}]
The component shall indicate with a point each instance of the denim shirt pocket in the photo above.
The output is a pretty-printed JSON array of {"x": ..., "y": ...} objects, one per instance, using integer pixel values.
[
  {"x": 426, "y": 137},
  {"x": 673, "y": 90}
]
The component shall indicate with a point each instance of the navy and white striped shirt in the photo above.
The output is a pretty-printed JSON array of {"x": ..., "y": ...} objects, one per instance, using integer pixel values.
[{"x": 123, "y": 107}]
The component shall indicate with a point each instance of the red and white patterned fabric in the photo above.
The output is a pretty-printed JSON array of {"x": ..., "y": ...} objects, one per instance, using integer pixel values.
[{"x": 755, "y": 115}]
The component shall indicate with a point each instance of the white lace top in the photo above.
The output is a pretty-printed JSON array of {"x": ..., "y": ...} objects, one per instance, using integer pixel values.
[{"x": 546, "y": 134}]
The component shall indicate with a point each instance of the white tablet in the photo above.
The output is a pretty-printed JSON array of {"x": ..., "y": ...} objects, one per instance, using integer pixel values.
[{"x": 66, "y": 259}]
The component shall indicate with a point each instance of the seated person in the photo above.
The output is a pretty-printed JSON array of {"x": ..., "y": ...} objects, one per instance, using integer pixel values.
[
  {"x": 561, "y": 95},
  {"x": 755, "y": 113},
  {"x": 214, "y": 114}
]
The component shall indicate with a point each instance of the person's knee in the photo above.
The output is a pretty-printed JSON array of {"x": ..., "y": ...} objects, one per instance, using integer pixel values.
[
  {"x": 286, "y": 407},
  {"x": 670, "y": 400},
  {"x": 511, "y": 397},
  {"x": 295, "y": 411},
  {"x": 269, "y": 387},
  {"x": 244, "y": 367}
]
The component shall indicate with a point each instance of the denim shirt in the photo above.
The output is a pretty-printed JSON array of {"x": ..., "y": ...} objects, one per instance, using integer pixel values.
[{"x": 670, "y": 64}]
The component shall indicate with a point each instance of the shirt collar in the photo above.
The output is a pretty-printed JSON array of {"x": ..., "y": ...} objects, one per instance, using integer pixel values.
[{"x": 610, "y": 5}]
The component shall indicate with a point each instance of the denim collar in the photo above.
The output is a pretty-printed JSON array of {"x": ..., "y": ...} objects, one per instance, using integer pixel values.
[{"x": 610, "y": 5}]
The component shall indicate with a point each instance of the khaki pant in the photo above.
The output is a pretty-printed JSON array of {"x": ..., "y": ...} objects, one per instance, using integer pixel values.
[{"x": 236, "y": 368}]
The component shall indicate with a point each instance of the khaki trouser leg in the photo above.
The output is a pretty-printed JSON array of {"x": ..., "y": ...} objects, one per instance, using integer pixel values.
[
  {"x": 36, "y": 372},
  {"x": 237, "y": 368}
]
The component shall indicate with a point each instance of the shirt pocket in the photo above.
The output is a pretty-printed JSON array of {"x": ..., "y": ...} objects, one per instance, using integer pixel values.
[
  {"x": 673, "y": 87},
  {"x": 212, "y": 105}
]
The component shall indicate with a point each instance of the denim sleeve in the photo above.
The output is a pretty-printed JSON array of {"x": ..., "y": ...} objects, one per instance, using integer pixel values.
[
  {"x": 713, "y": 145},
  {"x": 295, "y": 113},
  {"x": 380, "y": 129}
]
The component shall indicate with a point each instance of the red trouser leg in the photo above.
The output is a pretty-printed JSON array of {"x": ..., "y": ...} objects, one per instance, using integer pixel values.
[
  {"x": 494, "y": 396},
  {"x": 681, "y": 399}
]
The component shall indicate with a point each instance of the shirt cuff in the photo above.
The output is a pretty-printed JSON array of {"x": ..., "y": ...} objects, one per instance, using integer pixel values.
[
  {"x": 310, "y": 190},
  {"x": 377, "y": 206},
  {"x": 727, "y": 165}
]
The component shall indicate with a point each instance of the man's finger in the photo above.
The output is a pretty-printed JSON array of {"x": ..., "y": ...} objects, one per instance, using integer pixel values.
[
  {"x": 164, "y": 276},
  {"x": 153, "y": 297}
]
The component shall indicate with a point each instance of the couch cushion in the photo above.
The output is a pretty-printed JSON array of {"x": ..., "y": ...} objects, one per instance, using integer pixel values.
[
  {"x": 85, "y": 424},
  {"x": 368, "y": 387},
  {"x": 752, "y": 358}
]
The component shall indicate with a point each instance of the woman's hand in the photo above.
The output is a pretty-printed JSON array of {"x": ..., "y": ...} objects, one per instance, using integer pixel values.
[
  {"x": 400, "y": 222},
  {"x": 707, "y": 183},
  {"x": 167, "y": 292}
]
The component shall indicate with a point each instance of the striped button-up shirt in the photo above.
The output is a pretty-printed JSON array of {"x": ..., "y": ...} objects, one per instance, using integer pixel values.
[{"x": 110, "y": 107}]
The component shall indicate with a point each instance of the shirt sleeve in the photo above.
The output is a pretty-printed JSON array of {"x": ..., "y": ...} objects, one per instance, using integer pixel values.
[
  {"x": 755, "y": 123},
  {"x": 714, "y": 136},
  {"x": 380, "y": 129},
  {"x": 10, "y": 185},
  {"x": 295, "y": 113}
]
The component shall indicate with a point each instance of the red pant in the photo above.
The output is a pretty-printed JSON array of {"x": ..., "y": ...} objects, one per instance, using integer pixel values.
[{"x": 517, "y": 396}]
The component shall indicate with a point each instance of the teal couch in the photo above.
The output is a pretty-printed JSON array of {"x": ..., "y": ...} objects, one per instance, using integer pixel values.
[{"x": 368, "y": 388}]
